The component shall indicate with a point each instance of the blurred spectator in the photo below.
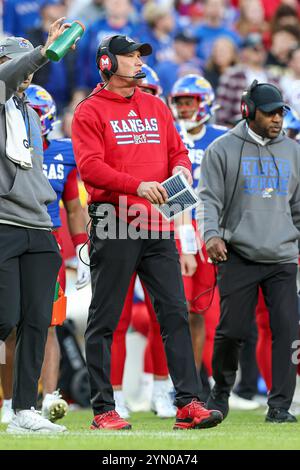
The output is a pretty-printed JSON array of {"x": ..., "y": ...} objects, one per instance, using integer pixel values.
[
  {"x": 284, "y": 15},
  {"x": 56, "y": 77},
  {"x": 236, "y": 79},
  {"x": 270, "y": 6},
  {"x": 213, "y": 26},
  {"x": 283, "y": 41},
  {"x": 190, "y": 8},
  {"x": 21, "y": 15},
  {"x": 87, "y": 11},
  {"x": 223, "y": 56},
  {"x": 251, "y": 19},
  {"x": 290, "y": 83},
  {"x": 1, "y": 20},
  {"x": 194, "y": 11},
  {"x": 184, "y": 61},
  {"x": 160, "y": 24},
  {"x": 117, "y": 20},
  {"x": 66, "y": 122}
]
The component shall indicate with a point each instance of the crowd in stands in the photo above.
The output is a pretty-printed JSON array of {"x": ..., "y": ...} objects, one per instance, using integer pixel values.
[{"x": 229, "y": 42}]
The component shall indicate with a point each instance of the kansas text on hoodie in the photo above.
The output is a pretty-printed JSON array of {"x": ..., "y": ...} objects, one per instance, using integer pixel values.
[
  {"x": 120, "y": 142},
  {"x": 251, "y": 195}
]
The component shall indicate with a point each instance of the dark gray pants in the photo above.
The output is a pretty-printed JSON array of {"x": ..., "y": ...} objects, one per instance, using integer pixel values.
[
  {"x": 238, "y": 281},
  {"x": 113, "y": 263},
  {"x": 29, "y": 264}
]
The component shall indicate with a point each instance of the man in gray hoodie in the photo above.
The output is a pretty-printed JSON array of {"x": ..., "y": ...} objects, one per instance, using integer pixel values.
[
  {"x": 29, "y": 256},
  {"x": 250, "y": 189}
]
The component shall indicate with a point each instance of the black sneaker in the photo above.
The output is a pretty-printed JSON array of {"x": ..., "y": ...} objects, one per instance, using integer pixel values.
[
  {"x": 280, "y": 415},
  {"x": 218, "y": 401}
]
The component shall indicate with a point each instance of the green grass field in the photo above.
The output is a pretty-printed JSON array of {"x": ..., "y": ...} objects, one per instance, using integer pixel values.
[{"x": 241, "y": 430}]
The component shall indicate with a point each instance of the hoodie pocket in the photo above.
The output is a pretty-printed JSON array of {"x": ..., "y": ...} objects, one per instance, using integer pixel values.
[
  {"x": 30, "y": 187},
  {"x": 13, "y": 186},
  {"x": 266, "y": 235}
]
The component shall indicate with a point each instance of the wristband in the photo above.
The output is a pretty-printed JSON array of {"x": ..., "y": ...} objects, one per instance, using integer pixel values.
[{"x": 79, "y": 238}]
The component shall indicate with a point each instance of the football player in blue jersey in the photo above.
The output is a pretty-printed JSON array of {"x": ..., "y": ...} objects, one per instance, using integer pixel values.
[
  {"x": 192, "y": 102},
  {"x": 60, "y": 168}
]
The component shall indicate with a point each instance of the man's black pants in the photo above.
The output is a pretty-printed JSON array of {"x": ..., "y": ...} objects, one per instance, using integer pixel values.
[
  {"x": 238, "y": 281},
  {"x": 29, "y": 264},
  {"x": 247, "y": 387},
  {"x": 113, "y": 262}
]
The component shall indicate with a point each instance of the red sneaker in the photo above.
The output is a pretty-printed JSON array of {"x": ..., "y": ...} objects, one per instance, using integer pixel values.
[
  {"x": 195, "y": 416},
  {"x": 109, "y": 420}
]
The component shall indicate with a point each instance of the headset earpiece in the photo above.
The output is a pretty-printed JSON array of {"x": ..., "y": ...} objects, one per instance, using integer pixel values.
[
  {"x": 244, "y": 107},
  {"x": 106, "y": 61},
  {"x": 248, "y": 107}
]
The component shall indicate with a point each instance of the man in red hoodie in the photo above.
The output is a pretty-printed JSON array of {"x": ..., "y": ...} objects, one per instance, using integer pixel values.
[{"x": 125, "y": 144}]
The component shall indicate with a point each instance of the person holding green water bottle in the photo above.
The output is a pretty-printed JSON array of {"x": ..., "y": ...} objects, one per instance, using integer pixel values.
[{"x": 29, "y": 255}]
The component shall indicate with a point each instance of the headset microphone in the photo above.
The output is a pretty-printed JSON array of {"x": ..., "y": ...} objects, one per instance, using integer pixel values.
[{"x": 137, "y": 76}]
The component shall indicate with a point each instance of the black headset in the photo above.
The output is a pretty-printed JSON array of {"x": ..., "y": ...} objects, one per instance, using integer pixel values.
[
  {"x": 248, "y": 107},
  {"x": 106, "y": 61}
]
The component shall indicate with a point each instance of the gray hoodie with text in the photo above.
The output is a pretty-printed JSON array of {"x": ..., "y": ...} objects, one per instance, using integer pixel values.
[{"x": 251, "y": 195}]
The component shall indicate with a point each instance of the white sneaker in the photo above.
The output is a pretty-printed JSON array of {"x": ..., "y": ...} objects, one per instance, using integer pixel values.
[
  {"x": 54, "y": 407},
  {"x": 28, "y": 421},
  {"x": 238, "y": 403},
  {"x": 7, "y": 412},
  {"x": 141, "y": 401},
  {"x": 161, "y": 403},
  {"x": 120, "y": 405}
]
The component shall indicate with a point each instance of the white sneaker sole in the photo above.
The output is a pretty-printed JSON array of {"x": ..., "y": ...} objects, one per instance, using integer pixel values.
[{"x": 19, "y": 430}]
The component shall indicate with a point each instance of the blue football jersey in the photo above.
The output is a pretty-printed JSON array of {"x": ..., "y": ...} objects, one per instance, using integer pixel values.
[
  {"x": 58, "y": 163},
  {"x": 197, "y": 147}
]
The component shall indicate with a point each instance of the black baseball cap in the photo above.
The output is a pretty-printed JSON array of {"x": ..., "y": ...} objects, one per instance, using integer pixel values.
[
  {"x": 267, "y": 98},
  {"x": 123, "y": 44}
]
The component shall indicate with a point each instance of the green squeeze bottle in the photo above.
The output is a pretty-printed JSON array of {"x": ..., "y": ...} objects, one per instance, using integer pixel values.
[
  {"x": 56, "y": 291},
  {"x": 61, "y": 45}
]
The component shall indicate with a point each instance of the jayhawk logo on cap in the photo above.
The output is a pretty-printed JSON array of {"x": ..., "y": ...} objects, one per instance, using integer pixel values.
[{"x": 24, "y": 44}]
